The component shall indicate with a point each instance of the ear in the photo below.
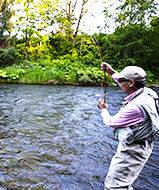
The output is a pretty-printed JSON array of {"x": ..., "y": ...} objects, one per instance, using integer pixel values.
[{"x": 131, "y": 83}]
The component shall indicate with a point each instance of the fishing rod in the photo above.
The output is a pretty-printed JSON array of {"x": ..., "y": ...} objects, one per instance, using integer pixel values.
[
  {"x": 105, "y": 84},
  {"x": 104, "y": 80}
]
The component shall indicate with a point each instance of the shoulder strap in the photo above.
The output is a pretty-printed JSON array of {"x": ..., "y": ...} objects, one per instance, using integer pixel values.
[{"x": 157, "y": 104}]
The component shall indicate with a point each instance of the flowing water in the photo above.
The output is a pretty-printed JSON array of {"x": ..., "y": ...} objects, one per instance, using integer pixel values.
[{"x": 53, "y": 138}]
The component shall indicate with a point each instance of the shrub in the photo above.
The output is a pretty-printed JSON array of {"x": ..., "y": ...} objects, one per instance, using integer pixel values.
[{"x": 8, "y": 56}]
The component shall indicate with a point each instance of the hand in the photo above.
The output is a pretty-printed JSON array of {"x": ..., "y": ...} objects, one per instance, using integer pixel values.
[
  {"x": 106, "y": 67},
  {"x": 102, "y": 104}
]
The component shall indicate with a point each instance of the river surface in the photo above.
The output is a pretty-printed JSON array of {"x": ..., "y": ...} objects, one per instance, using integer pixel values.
[{"x": 53, "y": 138}]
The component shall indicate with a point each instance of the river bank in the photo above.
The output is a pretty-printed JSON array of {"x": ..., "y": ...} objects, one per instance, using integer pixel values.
[{"x": 59, "y": 72}]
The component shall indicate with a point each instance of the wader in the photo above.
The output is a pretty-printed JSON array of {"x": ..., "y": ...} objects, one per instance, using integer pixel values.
[{"x": 127, "y": 164}]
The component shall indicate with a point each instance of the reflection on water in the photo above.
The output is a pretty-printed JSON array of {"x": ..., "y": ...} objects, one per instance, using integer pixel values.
[{"x": 53, "y": 138}]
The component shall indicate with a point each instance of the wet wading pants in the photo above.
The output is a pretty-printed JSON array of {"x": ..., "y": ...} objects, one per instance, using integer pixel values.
[{"x": 126, "y": 165}]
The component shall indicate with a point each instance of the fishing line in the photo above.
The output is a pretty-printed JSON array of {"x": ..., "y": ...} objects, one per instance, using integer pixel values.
[{"x": 104, "y": 81}]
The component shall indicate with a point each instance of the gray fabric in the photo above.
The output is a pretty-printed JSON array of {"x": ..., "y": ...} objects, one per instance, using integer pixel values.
[
  {"x": 126, "y": 165},
  {"x": 141, "y": 132},
  {"x": 138, "y": 132},
  {"x": 146, "y": 101}
]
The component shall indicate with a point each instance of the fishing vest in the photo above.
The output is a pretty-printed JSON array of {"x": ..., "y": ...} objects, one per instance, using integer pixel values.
[{"x": 149, "y": 129}]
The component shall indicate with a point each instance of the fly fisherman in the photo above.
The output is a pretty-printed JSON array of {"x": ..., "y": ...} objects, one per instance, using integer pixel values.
[{"x": 134, "y": 127}]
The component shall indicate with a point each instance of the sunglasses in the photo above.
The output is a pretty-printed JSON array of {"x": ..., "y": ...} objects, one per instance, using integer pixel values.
[{"x": 123, "y": 80}]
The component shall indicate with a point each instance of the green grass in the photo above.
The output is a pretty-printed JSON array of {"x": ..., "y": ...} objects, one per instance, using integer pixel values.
[{"x": 58, "y": 71}]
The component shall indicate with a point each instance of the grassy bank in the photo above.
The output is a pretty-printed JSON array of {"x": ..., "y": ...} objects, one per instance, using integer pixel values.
[
  {"x": 57, "y": 72},
  {"x": 51, "y": 72}
]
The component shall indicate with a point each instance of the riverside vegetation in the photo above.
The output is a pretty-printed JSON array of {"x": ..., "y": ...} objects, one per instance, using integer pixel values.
[{"x": 68, "y": 56}]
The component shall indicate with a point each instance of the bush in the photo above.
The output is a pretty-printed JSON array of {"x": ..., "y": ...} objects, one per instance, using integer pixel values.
[{"x": 8, "y": 56}]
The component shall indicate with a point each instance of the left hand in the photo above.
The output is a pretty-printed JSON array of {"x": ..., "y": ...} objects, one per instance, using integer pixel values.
[
  {"x": 107, "y": 68},
  {"x": 102, "y": 104}
]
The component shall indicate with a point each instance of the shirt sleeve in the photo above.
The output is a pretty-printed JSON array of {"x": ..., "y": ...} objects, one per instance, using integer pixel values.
[{"x": 127, "y": 116}]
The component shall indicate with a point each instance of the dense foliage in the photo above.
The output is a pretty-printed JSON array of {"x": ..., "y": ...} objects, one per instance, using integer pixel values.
[{"x": 66, "y": 56}]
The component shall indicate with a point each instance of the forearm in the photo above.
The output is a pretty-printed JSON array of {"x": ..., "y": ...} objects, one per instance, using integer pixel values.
[
  {"x": 130, "y": 115},
  {"x": 106, "y": 117}
]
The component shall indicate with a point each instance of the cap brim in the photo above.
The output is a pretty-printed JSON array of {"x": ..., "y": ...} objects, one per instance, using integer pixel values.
[{"x": 118, "y": 76}]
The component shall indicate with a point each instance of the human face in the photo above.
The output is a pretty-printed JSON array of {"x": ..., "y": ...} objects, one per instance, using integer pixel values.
[{"x": 126, "y": 85}]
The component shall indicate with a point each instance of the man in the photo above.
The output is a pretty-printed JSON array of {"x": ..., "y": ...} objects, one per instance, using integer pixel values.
[{"x": 134, "y": 126}]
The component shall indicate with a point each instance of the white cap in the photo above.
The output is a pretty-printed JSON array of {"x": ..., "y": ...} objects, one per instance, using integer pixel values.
[{"x": 132, "y": 73}]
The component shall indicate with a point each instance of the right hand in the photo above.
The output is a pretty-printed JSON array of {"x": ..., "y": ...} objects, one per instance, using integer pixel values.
[
  {"x": 102, "y": 104},
  {"x": 108, "y": 68}
]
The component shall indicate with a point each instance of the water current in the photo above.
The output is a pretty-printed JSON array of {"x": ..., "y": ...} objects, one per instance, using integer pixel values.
[{"x": 53, "y": 138}]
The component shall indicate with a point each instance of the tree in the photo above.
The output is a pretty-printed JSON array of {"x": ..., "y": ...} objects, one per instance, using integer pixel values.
[
  {"x": 33, "y": 20},
  {"x": 5, "y": 24},
  {"x": 136, "y": 11},
  {"x": 134, "y": 41},
  {"x": 125, "y": 12},
  {"x": 154, "y": 45},
  {"x": 69, "y": 20}
]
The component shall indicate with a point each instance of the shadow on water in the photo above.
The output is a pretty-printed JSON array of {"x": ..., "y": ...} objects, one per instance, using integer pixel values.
[{"x": 53, "y": 138}]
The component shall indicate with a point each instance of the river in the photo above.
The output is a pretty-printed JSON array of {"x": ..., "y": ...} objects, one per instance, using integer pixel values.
[{"x": 53, "y": 138}]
